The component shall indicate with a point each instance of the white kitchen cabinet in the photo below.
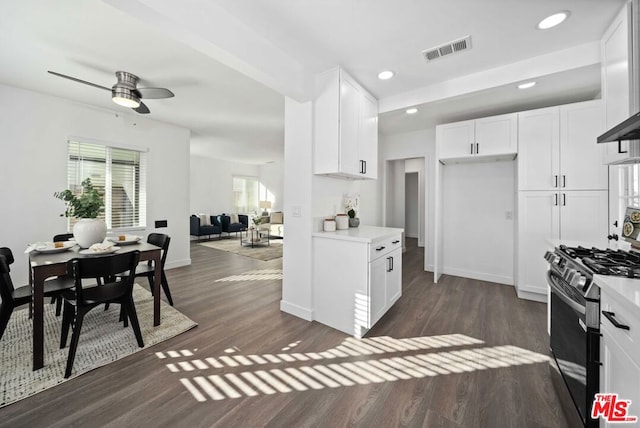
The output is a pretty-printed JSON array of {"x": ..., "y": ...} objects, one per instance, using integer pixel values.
[
  {"x": 619, "y": 349},
  {"x": 357, "y": 277},
  {"x": 345, "y": 127},
  {"x": 545, "y": 216},
  {"x": 557, "y": 148},
  {"x": 487, "y": 138},
  {"x": 615, "y": 48}
]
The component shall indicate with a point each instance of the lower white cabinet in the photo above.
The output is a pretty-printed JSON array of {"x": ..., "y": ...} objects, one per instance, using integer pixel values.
[
  {"x": 356, "y": 279},
  {"x": 619, "y": 351},
  {"x": 545, "y": 216}
]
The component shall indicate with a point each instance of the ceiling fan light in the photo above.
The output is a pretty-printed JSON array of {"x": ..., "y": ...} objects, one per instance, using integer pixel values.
[{"x": 125, "y": 98}]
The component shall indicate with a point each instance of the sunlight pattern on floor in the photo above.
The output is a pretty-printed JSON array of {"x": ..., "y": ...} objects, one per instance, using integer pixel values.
[
  {"x": 254, "y": 275},
  {"x": 303, "y": 371}
]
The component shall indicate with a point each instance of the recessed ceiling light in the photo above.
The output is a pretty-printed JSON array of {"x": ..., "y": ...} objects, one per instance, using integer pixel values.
[
  {"x": 553, "y": 20},
  {"x": 385, "y": 75},
  {"x": 412, "y": 110},
  {"x": 527, "y": 85}
]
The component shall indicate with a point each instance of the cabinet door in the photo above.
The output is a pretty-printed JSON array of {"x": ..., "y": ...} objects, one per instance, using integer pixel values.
[
  {"x": 369, "y": 135},
  {"x": 620, "y": 372},
  {"x": 349, "y": 125},
  {"x": 455, "y": 140},
  {"x": 615, "y": 53},
  {"x": 580, "y": 125},
  {"x": 394, "y": 277},
  {"x": 538, "y": 223},
  {"x": 377, "y": 289},
  {"x": 539, "y": 149},
  {"x": 497, "y": 135},
  {"x": 584, "y": 217}
]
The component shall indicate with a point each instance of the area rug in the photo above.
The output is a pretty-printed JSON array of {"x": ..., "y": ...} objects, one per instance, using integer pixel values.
[
  {"x": 263, "y": 252},
  {"x": 102, "y": 341}
]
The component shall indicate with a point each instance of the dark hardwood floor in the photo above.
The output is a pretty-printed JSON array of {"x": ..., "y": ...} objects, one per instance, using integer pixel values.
[{"x": 460, "y": 353}]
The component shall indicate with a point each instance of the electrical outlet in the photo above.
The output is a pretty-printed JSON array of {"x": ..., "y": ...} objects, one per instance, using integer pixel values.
[
  {"x": 161, "y": 223},
  {"x": 508, "y": 215}
]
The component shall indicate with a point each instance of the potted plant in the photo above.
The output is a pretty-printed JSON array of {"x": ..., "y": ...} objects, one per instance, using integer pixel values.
[
  {"x": 351, "y": 204},
  {"x": 85, "y": 207},
  {"x": 353, "y": 220}
]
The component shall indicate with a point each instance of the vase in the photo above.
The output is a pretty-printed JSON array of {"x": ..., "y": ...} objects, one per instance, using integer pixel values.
[
  {"x": 354, "y": 222},
  {"x": 342, "y": 222},
  {"x": 89, "y": 231}
]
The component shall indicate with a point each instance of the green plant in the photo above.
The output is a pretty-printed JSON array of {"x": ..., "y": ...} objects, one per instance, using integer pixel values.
[
  {"x": 256, "y": 220},
  {"x": 89, "y": 204},
  {"x": 351, "y": 213}
]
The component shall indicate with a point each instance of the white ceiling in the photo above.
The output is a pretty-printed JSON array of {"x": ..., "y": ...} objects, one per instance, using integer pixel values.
[{"x": 233, "y": 116}]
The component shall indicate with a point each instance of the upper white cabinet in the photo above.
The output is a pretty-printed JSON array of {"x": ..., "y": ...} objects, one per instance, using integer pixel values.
[
  {"x": 345, "y": 128},
  {"x": 557, "y": 148},
  {"x": 475, "y": 140},
  {"x": 616, "y": 48}
]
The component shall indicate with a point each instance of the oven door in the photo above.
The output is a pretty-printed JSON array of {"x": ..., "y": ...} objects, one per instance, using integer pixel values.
[{"x": 569, "y": 341}]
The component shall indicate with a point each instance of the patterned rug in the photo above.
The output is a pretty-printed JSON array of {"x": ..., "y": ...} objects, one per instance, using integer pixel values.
[
  {"x": 102, "y": 341},
  {"x": 262, "y": 252}
]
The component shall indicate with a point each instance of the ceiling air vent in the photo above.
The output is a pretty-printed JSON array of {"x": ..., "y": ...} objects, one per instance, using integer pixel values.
[{"x": 447, "y": 49}]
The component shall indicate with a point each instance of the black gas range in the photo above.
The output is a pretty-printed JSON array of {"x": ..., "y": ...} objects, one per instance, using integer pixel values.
[{"x": 575, "y": 320}]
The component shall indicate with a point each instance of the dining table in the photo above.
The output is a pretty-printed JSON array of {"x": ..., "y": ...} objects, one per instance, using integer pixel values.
[{"x": 47, "y": 265}]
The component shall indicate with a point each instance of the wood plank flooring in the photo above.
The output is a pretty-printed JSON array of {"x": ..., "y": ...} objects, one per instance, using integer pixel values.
[{"x": 242, "y": 333}]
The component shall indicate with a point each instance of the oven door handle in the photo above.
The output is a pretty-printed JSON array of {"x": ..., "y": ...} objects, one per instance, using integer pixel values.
[{"x": 561, "y": 294}]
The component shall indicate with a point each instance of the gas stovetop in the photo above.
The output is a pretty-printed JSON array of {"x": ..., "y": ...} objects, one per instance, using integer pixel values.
[{"x": 605, "y": 262}]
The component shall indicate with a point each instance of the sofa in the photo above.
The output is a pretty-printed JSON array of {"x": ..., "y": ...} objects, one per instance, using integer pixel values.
[
  {"x": 275, "y": 223},
  {"x": 199, "y": 226},
  {"x": 233, "y": 223}
]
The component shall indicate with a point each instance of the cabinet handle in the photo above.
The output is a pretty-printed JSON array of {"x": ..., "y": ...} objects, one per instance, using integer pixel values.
[
  {"x": 395, "y": 242},
  {"x": 379, "y": 248},
  {"x": 611, "y": 317},
  {"x": 471, "y": 148},
  {"x": 555, "y": 199},
  {"x": 361, "y": 166},
  {"x": 477, "y": 148},
  {"x": 555, "y": 177},
  {"x": 620, "y": 148},
  {"x": 364, "y": 169},
  {"x": 391, "y": 263},
  {"x": 564, "y": 199},
  {"x": 564, "y": 180},
  {"x": 388, "y": 264}
]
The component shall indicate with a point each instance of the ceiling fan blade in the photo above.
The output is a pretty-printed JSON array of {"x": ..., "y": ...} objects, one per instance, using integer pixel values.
[
  {"x": 154, "y": 93},
  {"x": 142, "y": 109},
  {"x": 79, "y": 81}
]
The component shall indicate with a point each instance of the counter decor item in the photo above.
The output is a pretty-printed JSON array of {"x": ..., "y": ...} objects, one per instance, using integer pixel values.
[
  {"x": 351, "y": 205},
  {"x": 85, "y": 207},
  {"x": 329, "y": 225},
  {"x": 342, "y": 222}
]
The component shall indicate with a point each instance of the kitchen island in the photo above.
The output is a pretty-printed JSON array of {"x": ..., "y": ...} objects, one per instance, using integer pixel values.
[{"x": 357, "y": 276}]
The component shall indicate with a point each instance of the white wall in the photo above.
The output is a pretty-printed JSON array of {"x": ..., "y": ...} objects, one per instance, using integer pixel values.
[
  {"x": 211, "y": 181},
  {"x": 272, "y": 177},
  {"x": 412, "y": 218},
  {"x": 478, "y": 238},
  {"x": 419, "y": 144},
  {"x": 35, "y": 129}
]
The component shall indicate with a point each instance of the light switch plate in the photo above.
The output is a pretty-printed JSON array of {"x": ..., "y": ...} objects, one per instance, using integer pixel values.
[{"x": 296, "y": 211}]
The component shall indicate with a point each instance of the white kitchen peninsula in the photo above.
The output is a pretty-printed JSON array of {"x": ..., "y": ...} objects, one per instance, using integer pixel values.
[{"x": 357, "y": 276}]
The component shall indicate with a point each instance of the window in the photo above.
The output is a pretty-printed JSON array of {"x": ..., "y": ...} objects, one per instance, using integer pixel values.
[
  {"x": 119, "y": 174},
  {"x": 629, "y": 187},
  {"x": 245, "y": 194}
]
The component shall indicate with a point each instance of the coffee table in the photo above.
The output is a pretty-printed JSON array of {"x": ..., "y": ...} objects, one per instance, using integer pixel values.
[{"x": 256, "y": 237}]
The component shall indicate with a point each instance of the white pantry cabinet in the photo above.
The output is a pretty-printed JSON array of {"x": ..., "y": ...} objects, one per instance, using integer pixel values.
[
  {"x": 357, "y": 276},
  {"x": 557, "y": 148},
  {"x": 620, "y": 345},
  {"x": 345, "y": 127},
  {"x": 545, "y": 216},
  {"x": 487, "y": 138}
]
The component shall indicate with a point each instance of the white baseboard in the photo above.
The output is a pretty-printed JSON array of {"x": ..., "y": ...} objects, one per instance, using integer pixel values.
[
  {"x": 298, "y": 311},
  {"x": 177, "y": 263},
  {"x": 482, "y": 276},
  {"x": 429, "y": 268},
  {"x": 527, "y": 295}
]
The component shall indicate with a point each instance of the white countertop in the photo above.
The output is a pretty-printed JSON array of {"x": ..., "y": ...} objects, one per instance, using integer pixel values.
[
  {"x": 626, "y": 288},
  {"x": 361, "y": 233},
  {"x": 623, "y": 245}
]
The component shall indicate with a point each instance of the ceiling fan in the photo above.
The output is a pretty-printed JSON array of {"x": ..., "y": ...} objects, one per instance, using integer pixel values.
[{"x": 125, "y": 92}]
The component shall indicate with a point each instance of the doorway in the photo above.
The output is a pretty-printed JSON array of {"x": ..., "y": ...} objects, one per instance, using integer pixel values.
[{"x": 411, "y": 206}]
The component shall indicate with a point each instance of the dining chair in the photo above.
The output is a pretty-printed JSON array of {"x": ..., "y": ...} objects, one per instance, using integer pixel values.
[
  {"x": 116, "y": 289},
  {"x": 14, "y": 297},
  {"x": 160, "y": 240}
]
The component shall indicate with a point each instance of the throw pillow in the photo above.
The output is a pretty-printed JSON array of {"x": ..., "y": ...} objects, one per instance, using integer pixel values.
[
  {"x": 204, "y": 220},
  {"x": 233, "y": 218},
  {"x": 277, "y": 217}
]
